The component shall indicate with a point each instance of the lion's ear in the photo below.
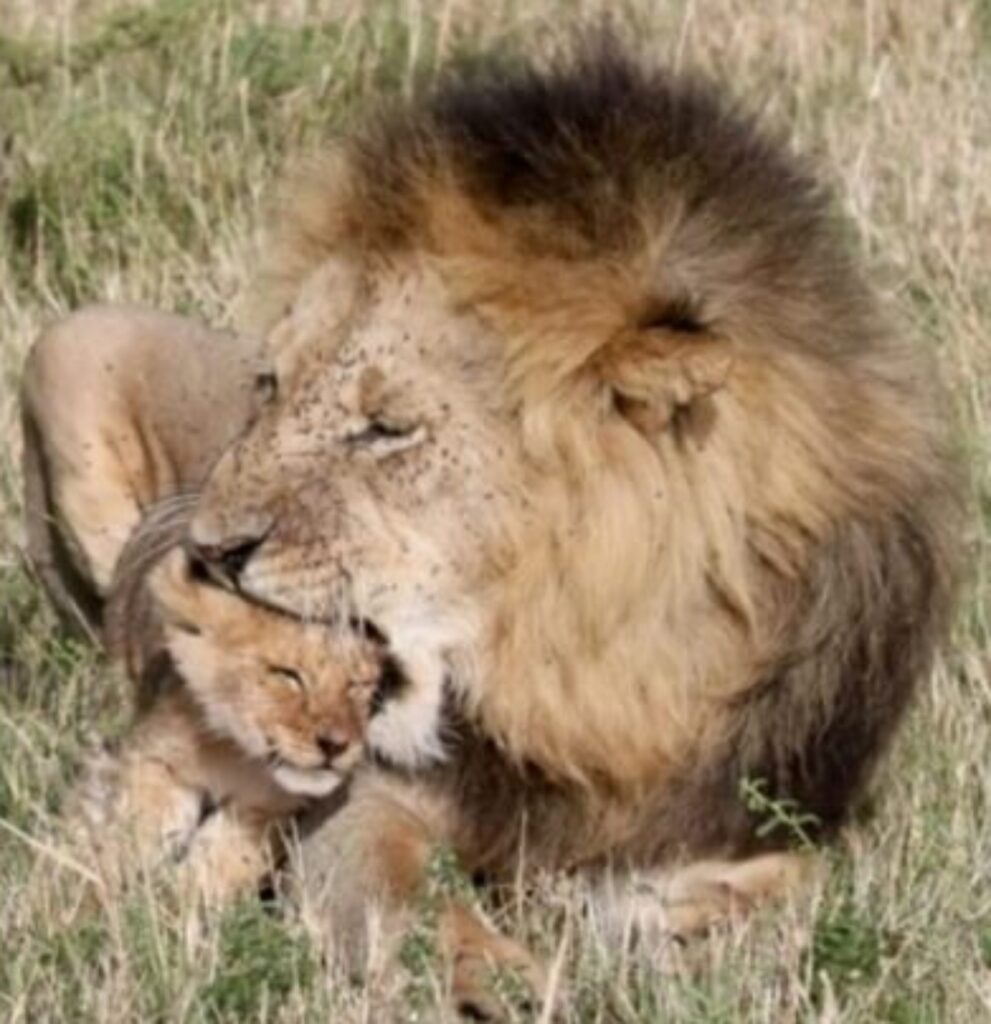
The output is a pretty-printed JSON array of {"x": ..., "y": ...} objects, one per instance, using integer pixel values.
[{"x": 665, "y": 372}]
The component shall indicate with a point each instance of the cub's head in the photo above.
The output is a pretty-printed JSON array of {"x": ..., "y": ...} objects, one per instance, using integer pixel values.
[
  {"x": 570, "y": 371},
  {"x": 297, "y": 697}
]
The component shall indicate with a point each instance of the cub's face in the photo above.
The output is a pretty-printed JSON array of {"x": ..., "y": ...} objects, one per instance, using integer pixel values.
[{"x": 293, "y": 695}]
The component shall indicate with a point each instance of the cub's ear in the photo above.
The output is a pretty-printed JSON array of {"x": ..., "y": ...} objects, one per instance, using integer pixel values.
[
  {"x": 664, "y": 372},
  {"x": 177, "y": 593}
]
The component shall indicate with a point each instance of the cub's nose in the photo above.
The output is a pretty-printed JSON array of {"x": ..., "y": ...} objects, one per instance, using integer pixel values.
[
  {"x": 332, "y": 744},
  {"x": 225, "y": 559}
]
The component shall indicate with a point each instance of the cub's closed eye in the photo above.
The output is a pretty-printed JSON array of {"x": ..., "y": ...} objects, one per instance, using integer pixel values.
[
  {"x": 288, "y": 675},
  {"x": 182, "y": 626},
  {"x": 267, "y": 386}
]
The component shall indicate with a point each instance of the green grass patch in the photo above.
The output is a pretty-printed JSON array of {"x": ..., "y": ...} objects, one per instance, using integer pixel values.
[{"x": 260, "y": 963}]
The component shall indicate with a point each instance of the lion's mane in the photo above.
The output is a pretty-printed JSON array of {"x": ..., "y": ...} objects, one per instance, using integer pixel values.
[{"x": 775, "y": 540}]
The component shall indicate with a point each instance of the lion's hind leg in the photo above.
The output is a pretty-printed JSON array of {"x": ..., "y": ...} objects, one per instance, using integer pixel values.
[
  {"x": 652, "y": 907},
  {"x": 87, "y": 467}
]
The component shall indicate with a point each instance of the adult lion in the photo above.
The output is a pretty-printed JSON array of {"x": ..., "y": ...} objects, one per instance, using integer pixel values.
[{"x": 580, "y": 400}]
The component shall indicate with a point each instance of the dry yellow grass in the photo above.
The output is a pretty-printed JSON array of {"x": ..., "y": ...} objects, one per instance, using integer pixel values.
[{"x": 140, "y": 142}]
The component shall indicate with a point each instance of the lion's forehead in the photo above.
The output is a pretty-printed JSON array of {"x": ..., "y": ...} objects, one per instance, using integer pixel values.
[
  {"x": 400, "y": 319},
  {"x": 406, "y": 352}
]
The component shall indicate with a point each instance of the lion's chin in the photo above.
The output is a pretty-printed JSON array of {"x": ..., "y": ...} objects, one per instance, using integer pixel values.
[{"x": 407, "y": 728}]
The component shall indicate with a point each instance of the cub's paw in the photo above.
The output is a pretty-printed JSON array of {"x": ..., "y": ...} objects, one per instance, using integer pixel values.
[{"x": 228, "y": 856}]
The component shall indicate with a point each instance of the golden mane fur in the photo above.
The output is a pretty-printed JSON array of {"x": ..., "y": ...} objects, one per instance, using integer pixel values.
[{"x": 737, "y": 555}]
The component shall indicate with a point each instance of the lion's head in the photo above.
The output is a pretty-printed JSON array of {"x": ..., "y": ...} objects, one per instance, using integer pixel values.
[{"x": 573, "y": 382}]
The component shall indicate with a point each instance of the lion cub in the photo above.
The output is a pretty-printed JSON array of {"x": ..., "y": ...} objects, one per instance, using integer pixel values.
[{"x": 257, "y": 715}]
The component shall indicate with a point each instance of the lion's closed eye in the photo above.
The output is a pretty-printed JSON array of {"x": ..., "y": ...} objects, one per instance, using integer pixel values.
[{"x": 381, "y": 437}]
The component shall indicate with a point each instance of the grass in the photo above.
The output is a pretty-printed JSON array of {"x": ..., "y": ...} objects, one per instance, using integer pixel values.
[{"x": 137, "y": 146}]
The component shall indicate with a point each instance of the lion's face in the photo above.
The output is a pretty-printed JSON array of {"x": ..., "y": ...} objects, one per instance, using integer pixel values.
[{"x": 378, "y": 479}]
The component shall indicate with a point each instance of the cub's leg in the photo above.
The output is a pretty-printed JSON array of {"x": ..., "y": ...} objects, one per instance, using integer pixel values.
[
  {"x": 364, "y": 875},
  {"x": 144, "y": 803},
  {"x": 141, "y": 799},
  {"x": 134, "y": 814},
  {"x": 121, "y": 407},
  {"x": 157, "y": 803}
]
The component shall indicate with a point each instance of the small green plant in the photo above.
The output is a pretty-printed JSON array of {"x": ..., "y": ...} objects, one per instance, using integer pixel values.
[
  {"x": 779, "y": 816},
  {"x": 984, "y": 944},
  {"x": 446, "y": 878},
  {"x": 905, "y": 1011}
]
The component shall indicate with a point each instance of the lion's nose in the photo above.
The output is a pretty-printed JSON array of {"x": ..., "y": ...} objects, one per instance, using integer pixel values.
[{"x": 226, "y": 558}]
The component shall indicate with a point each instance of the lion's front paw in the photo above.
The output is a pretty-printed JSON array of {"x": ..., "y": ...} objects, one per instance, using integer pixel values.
[{"x": 492, "y": 978}]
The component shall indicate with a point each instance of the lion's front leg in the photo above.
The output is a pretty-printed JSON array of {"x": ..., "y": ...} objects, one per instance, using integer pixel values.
[
  {"x": 363, "y": 867},
  {"x": 479, "y": 960},
  {"x": 366, "y": 875}
]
